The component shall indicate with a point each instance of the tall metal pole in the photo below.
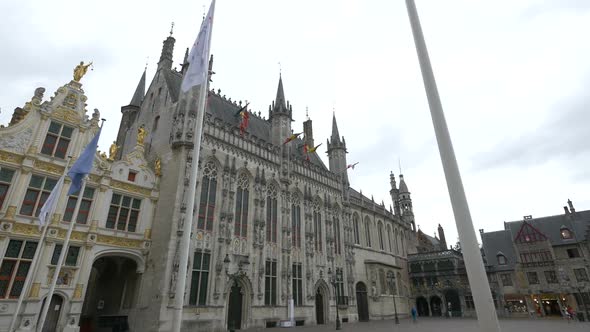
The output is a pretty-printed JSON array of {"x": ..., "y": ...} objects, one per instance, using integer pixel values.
[
  {"x": 62, "y": 256},
  {"x": 480, "y": 288}
]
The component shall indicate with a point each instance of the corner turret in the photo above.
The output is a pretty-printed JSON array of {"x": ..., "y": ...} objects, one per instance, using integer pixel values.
[{"x": 337, "y": 152}]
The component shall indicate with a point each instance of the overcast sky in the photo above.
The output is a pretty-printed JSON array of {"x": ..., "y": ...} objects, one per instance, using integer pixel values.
[{"x": 513, "y": 77}]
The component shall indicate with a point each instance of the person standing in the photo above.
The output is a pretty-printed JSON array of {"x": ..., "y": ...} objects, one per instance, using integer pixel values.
[{"x": 414, "y": 314}]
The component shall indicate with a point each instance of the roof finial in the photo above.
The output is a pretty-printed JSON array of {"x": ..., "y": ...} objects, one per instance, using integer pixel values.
[
  {"x": 307, "y": 113},
  {"x": 147, "y": 60},
  {"x": 204, "y": 12},
  {"x": 280, "y": 69},
  {"x": 399, "y": 162},
  {"x": 171, "y": 29}
]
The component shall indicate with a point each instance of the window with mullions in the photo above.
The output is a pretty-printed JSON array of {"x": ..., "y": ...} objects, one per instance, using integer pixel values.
[
  {"x": 15, "y": 266},
  {"x": 581, "y": 274},
  {"x": 533, "y": 278},
  {"x": 200, "y": 276},
  {"x": 337, "y": 244},
  {"x": 296, "y": 223},
  {"x": 270, "y": 283},
  {"x": 297, "y": 285},
  {"x": 57, "y": 140},
  {"x": 208, "y": 195},
  {"x": 271, "y": 214},
  {"x": 39, "y": 189},
  {"x": 317, "y": 226},
  {"x": 71, "y": 258},
  {"x": 368, "y": 232},
  {"x": 380, "y": 231},
  {"x": 85, "y": 205},
  {"x": 340, "y": 287},
  {"x": 551, "y": 277},
  {"x": 123, "y": 213},
  {"x": 355, "y": 224},
  {"x": 242, "y": 199},
  {"x": 5, "y": 181}
]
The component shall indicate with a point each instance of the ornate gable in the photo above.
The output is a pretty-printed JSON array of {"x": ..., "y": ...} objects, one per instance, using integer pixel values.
[{"x": 529, "y": 234}]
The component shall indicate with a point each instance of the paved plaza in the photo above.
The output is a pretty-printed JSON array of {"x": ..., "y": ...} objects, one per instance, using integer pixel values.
[{"x": 439, "y": 325}]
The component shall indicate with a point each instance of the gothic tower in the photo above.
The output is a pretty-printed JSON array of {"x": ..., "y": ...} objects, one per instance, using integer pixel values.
[
  {"x": 280, "y": 116},
  {"x": 405, "y": 202},
  {"x": 441, "y": 237},
  {"x": 129, "y": 113},
  {"x": 337, "y": 152},
  {"x": 394, "y": 192}
]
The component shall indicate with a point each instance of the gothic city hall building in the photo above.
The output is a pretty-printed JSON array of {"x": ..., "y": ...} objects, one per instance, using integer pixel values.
[{"x": 271, "y": 226}]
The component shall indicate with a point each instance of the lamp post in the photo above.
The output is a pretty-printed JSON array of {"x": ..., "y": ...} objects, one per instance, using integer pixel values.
[
  {"x": 391, "y": 282},
  {"x": 334, "y": 279}
]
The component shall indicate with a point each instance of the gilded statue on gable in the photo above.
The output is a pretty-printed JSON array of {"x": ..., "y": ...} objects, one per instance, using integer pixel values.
[
  {"x": 141, "y": 133},
  {"x": 113, "y": 151},
  {"x": 81, "y": 70}
]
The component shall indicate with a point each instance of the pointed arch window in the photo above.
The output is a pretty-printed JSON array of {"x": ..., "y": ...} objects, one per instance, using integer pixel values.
[
  {"x": 380, "y": 230},
  {"x": 368, "y": 231},
  {"x": 396, "y": 240},
  {"x": 242, "y": 200},
  {"x": 389, "y": 238},
  {"x": 403, "y": 249},
  {"x": 355, "y": 224},
  {"x": 208, "y": 194},
  {"x": 296, "y": 222},
  {"x": 317, "y": 226}
]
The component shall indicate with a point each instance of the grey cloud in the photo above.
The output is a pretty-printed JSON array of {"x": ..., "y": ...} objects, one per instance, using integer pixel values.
[{"x": 565, "y": 135}]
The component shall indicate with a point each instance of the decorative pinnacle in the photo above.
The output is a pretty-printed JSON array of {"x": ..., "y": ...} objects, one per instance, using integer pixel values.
[
  {"x": 171, "y": 29},
  {"x": 306, "y": 112}
]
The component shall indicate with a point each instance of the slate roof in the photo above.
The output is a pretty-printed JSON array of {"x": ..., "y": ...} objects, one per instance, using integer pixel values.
[
  {"x": 578, "y": 223},
  {"x": 139, "y": 92},
  {"x": 499, "y": 242}
]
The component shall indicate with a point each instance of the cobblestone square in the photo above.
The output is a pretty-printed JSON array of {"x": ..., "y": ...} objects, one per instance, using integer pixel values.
[{"x": 432, "y": 325}]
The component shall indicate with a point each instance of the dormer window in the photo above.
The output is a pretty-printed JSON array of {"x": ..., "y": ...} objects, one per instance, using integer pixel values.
[
  {"x": 131, "y": 176},
  {"x": 565, "y": 233},
  {"x": 501, "y": 259},
  {"x": 57, "y": 140}
]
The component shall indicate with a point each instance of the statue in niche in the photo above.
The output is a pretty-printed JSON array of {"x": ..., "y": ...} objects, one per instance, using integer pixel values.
[{"x": 141, "y": 133}]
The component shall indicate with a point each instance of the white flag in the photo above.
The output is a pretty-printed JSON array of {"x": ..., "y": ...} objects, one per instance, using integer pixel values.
[
  {"x": 50, "y": 203},
  {"x": 197, "y": 72}
]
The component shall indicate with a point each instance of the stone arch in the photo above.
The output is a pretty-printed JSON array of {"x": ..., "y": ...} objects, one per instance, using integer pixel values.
[
  {"x": 367, "y": 226},
  {"x": 380, "y": 235},
  {"x": 247, "y": 295},
  {"x": 356, "y": 228},
  {"x": 322, "y": 288},
  {"x": 212, "y": 158},
  {"x": 136, "y": 257},
  {"x": 62, "y": 300}
]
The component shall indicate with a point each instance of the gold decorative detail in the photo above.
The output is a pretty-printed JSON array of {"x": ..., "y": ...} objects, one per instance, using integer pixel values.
[
  {"x": 48, "y": 167},
  {"x": 78, "y": 291},
  {"x": 35, "y": 288},
  {"x": 158, "y": 167},
  {"x": 147, "y": 234},
  {"x": 80, "y": 70},
  {"x": 26, "y": 229},
  {"x": 32, "y": 150},
  {"x": 103, "y": 155},
  {"x": 10, "y": 212},
  {"x": 113, "y": 151},
  {"x": 131, "y": 188},
  {"x": 55, "y": 218},
  {"x": 119, "y": 242},
  {"x": 141, "y": 133},
  {"x": 66, "y": 114},
  {"x": 11, "y": 157}
]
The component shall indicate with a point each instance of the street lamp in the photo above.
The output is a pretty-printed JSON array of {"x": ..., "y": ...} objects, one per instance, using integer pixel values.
[
  {"x": 335, "y": 278},
  {"x": 391, "y": 282}
]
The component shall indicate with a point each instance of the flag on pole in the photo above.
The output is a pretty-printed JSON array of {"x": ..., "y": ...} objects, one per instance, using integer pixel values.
[
  {"x": 50, "y": 203},
  {"x": 351, "y": 165},
  {"x": 291, "y": 137},
  {"x": 198, "y": 65},
  {"x": 83, "y": 165}
]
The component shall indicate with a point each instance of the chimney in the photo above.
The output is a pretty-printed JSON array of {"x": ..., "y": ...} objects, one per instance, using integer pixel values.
[
  {"x": 566, "y": 210},
  {"x": 569, "y": 202}
]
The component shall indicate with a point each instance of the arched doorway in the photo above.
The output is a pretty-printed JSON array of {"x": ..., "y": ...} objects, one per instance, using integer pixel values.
[
  {"x": 55, "y": 309},
  {"x": 453, "y": 303},
  {"x": 319, "y": 307},
  {"x": 435, "y": 306},
  {"x": 422, "y": 307},
  {"x": 110, "y": 295},
  {"x": 362, "y": 302},
  {"x": 234, "y": 311}
]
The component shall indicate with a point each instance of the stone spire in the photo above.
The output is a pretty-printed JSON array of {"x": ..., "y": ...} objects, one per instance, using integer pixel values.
[
  {"x": 167, "y": 52},
  {"x": 337, "y": 152},
  {"x": 280, "y": 116},
  {"x": 335, "y": 133},
  {"x": 139, "y": 92},
  {"x": 280, "y": 102}
]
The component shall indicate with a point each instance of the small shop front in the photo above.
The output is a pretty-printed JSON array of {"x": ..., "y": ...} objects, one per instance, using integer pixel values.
[{"x": 515, "y": 305}]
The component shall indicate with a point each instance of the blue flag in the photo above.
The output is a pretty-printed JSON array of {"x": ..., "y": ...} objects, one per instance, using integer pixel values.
[{"x": 83, "y": 165}]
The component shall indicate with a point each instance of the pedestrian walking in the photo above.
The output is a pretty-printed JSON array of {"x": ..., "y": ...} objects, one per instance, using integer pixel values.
[{"x": 414, "y": 314}]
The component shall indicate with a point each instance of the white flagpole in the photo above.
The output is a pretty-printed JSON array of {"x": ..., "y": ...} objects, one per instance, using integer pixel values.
[
  {"x": 188, "y": 222},
  {"x": 478, "y": 280},
  {"x": 62, "y": 255},
  {"x": 35, "y": 262}
]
